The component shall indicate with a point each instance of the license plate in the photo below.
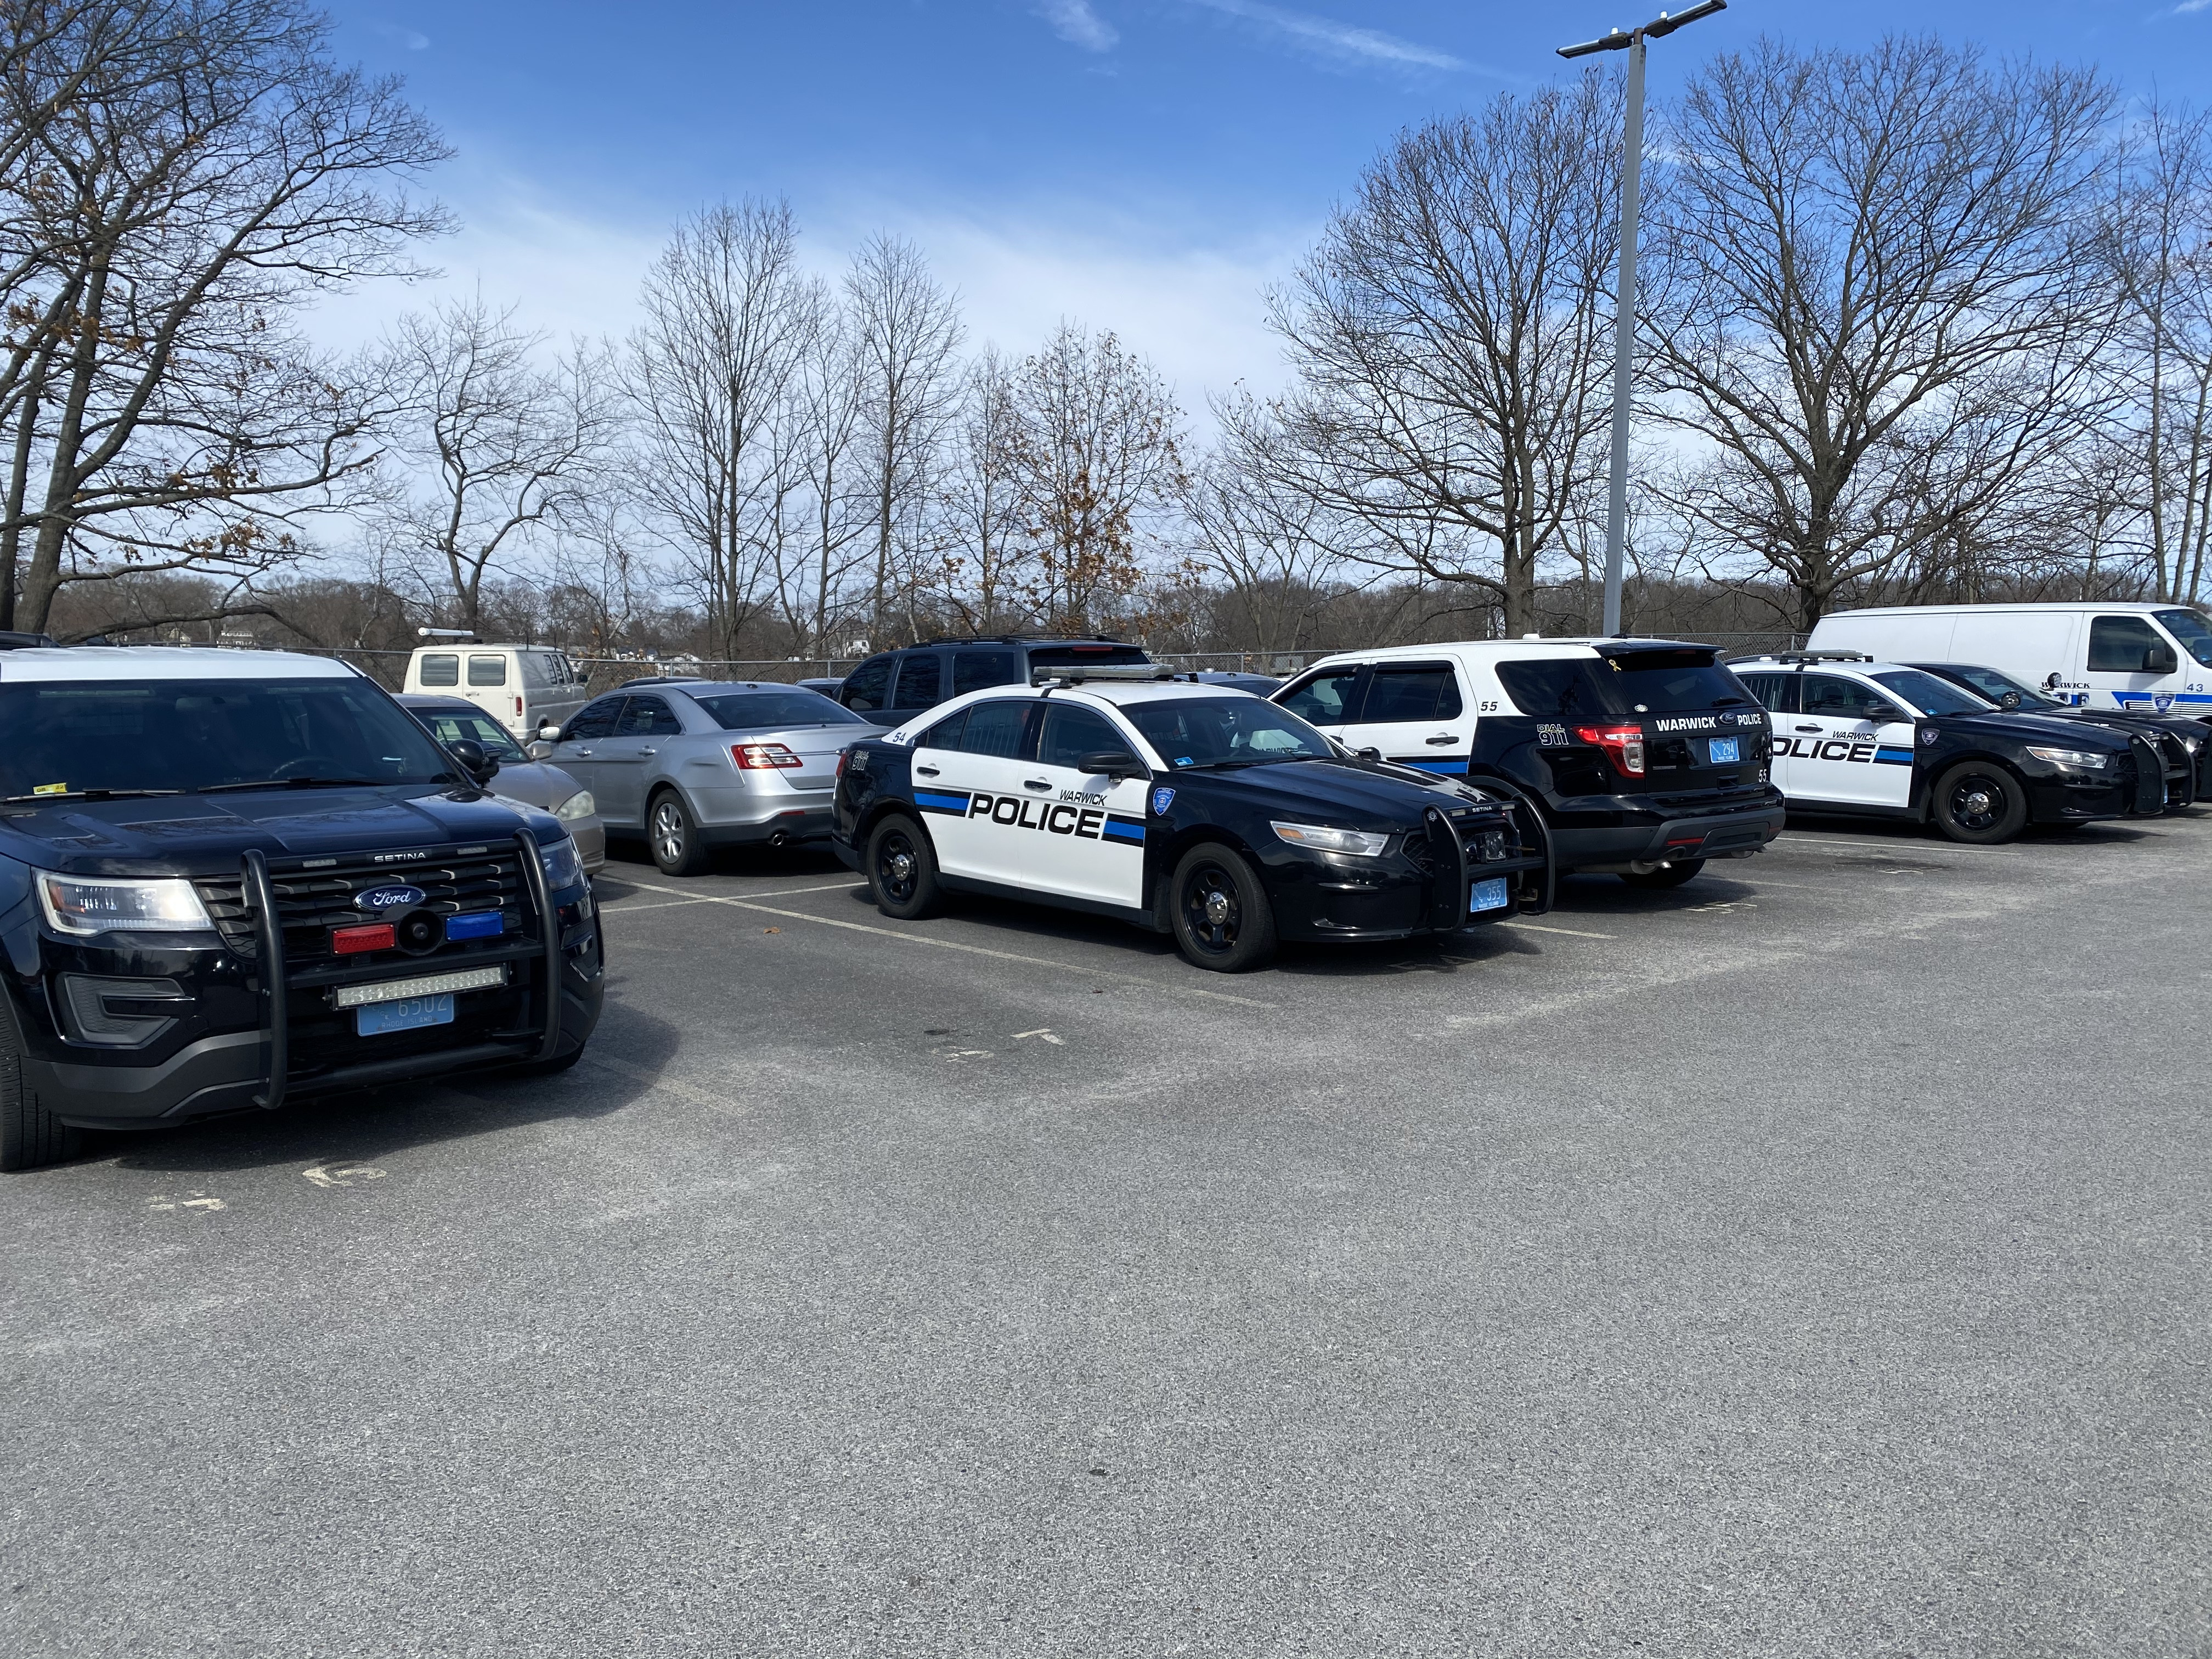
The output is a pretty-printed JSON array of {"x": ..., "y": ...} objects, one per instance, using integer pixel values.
[
  {"x": 1724, "y": 751},
  {"x": 1488, "y": 894},
  {"x": 409, "y": 1015}
]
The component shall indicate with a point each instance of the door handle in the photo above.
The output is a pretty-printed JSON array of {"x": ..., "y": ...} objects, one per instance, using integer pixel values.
[
  {"x": 1034, "y": 783},
  {"x": 1812, "y": 728},
  {"x": 582, "y": 753},
  {"x": 926, "y": 771},
  {"x": 648, "y": 751},
  {"x": 1441, "y": 738}
]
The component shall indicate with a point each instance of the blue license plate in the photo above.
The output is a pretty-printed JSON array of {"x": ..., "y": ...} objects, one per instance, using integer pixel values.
[
  {"x": 1724, "y": 751},
  {"x": 408, "y": 1014},
  {"x": 1488, "y": 894}
]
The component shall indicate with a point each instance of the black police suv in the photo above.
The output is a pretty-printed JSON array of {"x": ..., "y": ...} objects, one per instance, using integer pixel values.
[
  {"x": 231, "y": 879},
  {"x": 2186, "y": 742},
  {"x": 1208, "y": 814},
  {"x": 1854, "y": 736},
  {"x": 892, "y": 687},
  {"x": 1647, "y": 757}
]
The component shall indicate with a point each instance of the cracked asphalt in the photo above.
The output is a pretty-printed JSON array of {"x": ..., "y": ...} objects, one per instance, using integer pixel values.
[{"x": 1808, "y": 1262}]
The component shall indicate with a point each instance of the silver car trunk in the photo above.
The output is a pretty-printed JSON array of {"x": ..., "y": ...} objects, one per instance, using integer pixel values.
[{"x": 817, "y": 747}]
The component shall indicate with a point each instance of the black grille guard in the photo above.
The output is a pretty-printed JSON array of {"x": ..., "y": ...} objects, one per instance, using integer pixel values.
[{"x": 276, "y": 988}]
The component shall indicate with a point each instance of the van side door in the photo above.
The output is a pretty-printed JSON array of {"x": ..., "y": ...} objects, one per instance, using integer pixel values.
[{"x": 1418, "y": 714}]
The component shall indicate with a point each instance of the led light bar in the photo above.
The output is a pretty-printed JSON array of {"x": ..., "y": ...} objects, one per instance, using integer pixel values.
[
  {"x": 423, "y": 985},
  {"x": 1076, "y": 673}
]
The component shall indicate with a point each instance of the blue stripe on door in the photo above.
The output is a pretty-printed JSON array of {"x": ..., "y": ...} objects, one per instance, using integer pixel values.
[
  {"x": 936, "y": 800},
  {"x": 1122, "y": 829}
]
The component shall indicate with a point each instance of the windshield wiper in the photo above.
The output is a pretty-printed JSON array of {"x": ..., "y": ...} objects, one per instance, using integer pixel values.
[
  {"x": 94, "y": 794},
  {"x": 293, "y": 783}
]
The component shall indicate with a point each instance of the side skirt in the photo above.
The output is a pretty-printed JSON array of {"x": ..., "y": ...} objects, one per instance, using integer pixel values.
[{"x": 1130, "y": 913}]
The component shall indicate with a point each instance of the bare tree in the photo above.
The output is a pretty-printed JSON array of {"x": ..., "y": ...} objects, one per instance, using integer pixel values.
[
  {"x": 906, "y": 331},
  {"x": 727, "y": 318},
  {"x": 503, "y": 447},
  {"x": 1871, "y": 299},
  {"x": 830, "y": 437},
  {"x": 1449, "y": 345},
  {"x": 179, "y": 180},
  {"x": 1096, "y": 448},
  {"x": 1265, "y": 540},
  {"x": 981, "y": 571}
]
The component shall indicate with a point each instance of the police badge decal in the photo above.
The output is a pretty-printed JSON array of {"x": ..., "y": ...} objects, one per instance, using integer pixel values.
[{"x": 1163, "y": 799}]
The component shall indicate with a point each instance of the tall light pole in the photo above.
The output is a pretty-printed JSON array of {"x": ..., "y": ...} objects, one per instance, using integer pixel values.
[{"x": 1624, "y": 310}]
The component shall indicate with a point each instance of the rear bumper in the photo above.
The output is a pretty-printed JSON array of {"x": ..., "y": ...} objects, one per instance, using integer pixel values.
[
  {"x": 744, "y": 818},
  {"x": 1645, "y": 835}
]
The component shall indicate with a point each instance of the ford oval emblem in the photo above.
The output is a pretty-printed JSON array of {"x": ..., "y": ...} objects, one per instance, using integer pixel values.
[{"x": 378, "y": 900}]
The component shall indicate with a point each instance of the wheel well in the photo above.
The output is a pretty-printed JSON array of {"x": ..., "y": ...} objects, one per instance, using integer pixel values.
[
  {"x": 1976, "y": 757},
  {"x": 1162, "y": 869}
]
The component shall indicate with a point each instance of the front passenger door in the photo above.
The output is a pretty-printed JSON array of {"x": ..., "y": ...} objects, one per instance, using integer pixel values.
[
  {"x": 581, "y": 739},
  {"x": 646, "y": 722}
]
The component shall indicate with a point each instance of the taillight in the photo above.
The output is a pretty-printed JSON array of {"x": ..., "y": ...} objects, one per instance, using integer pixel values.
[
  {"x": 1624, "y": 743},
  {"x": 518, "y": 708},
  {"x": 763, "y": 757},
  {"x": 842, "y": 754}
]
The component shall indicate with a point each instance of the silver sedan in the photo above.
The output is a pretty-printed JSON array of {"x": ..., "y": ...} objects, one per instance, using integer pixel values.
[
  {"x": 532, "y": 782},
  {"x": 691, "y": 765}
]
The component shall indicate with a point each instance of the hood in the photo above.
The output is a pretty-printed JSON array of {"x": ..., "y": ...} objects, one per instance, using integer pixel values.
[
  {"x": 205, "y": 834},
  {"x": 2052, "y": 728},
  {"x": 533, "y": 783},
  {"x": 1361, "y": 795}
]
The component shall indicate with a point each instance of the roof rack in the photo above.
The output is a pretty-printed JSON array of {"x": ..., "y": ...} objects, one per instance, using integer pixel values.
[
  {"x": 1021, "y": 639},
  {"x": 1813, "y": 656},
  {"x": 1076, "y": 673},
  {"x": 12, "y": 641}
]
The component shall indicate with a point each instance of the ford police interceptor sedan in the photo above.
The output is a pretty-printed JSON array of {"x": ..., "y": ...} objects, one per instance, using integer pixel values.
[
  {"x": 1187, "y": 809},
  {"x": 1856, "y": 736}
]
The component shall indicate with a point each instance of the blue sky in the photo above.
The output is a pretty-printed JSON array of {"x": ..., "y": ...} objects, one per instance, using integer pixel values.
[{"x": 1143, "y": 165}]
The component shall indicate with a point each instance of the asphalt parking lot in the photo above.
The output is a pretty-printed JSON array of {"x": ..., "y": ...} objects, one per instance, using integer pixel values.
[{"x": 1808, "y": 1262}]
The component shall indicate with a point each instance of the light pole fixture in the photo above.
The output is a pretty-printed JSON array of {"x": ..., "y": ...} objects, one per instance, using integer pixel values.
[{"x": 1624, "y": 310}]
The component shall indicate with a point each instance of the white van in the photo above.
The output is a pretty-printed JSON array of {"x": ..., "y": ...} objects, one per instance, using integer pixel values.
[
  {"x": 2123, "y": 654},
  {"x": 520, "y": 686}
]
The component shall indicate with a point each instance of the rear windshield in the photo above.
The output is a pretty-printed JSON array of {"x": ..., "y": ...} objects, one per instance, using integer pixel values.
[
  {"x": 1645, "y": 682},
  {"x": 1217, "y": 731},
  {"x": 69, "y": 738},
  {"x": 768, "y": 711}
]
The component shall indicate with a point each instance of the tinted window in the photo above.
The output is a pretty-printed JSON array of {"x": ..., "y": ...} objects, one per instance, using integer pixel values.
[
  {"x": 945, "y": 734},
  {"x": 1326, "y": 700},
  {"x": 1661, "y": 680},
  {"x": 1210, "y": 731},
  {"x": 972, "y": 671},
  {"x": 2117, "y": 644},
  {"x": 487, "y": 669},
  {"x": 760, "y": 711},
  {"x": 994, "y": 728},
  {"x": 475, "y": 725},
  {"x": 648, "y": 717},
  {"x": 197, "y": 734},
  {"x": 1059, "y": 656},
  {"x": 1071, "y": 732},
  {"x": 1777, "y": 692},
  {"x": 595, "y": 720},
  {"x": 443, "y": 669},
  {"x": 1996, "y": 686},
  {"x": 1426, "y": 692},
  {"x": 1929, "y": 695},
  {"x": 1836, "y": 697},
  {"x": 920, "y": 681},
  {"x": 869, "y": 686}
]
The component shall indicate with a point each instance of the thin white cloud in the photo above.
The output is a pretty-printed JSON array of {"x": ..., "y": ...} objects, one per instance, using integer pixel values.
[
  {"x": 412, "y": 40},
  {"x": 1073, "y": 21},
  {"x": 1346, "y": 42},
  {"x": 2187, "y": 6}
]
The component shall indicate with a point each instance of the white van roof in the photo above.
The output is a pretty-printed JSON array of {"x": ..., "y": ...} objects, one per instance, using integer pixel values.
[{"x": 2144, "y": 607}]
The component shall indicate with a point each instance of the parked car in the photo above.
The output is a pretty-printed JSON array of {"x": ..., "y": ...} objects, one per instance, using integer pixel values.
[
  {"x": 1259, "y": 685},
  {"x": 892, "y": 687},
  {"x": 534, "y": 783},
  {"x": 691, "y": 765},
  {"x": 2102, "y": 654},
  {"x": 523, "y": 687},
  {"x": 829, "y": 688},
  {"x": 231, "y": 880},
  {"x": 2186, "y": 744},
  {"x": 1647, "y": 757}
]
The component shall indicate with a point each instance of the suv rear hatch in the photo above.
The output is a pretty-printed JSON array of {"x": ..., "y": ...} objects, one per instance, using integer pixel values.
[{"x": 1666, "y": 721}]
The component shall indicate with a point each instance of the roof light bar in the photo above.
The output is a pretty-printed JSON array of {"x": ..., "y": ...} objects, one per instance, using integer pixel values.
[{"x": 1077, "y": 673}]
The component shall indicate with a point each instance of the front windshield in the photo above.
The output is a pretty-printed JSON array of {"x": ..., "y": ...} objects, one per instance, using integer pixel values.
[
  {"x": 1929, "y": 695},
  {"x": 1995, "y": 686},
  {"x": 69, "y": 736},
  {"x": 1224, "y": 732},
  {"x": 451, "y": 726},
  {"x": 2192, "y": 631},
  {"x": 775, "y": 711}
]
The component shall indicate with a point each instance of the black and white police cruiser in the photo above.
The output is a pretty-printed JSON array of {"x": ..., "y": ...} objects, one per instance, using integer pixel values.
[
  {"x": 1856, "y": 736},
  {"x": 1187, "y": 809}
]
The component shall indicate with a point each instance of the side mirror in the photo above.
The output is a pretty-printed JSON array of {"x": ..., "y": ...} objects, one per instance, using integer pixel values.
[
  {"x": 549, "y": 732},
  {"x": 2051, "y": 681},
  {"x": 539, "y": 751},
  {"x": 1881, "y": 713},
  {"x": 2160, "y": 659},
  {"x": 1113, "y": 763},
  {"x": 2009, "y": 700},
  {"x": 479, "y": 762},
  {"x": 1368, "y": 754}
]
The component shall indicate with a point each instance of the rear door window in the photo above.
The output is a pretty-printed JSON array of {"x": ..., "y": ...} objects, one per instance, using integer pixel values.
[
  {"x": 487, "y": 668},
  {"x": 920, "y": 681},
  {"x": 994, "y": 728},
  {"x": 1328, "y": 699},
  {"x": 442, "y": 668},
  {"x": 1425, "y": 691},
  {"x": 972, "y": 670}
]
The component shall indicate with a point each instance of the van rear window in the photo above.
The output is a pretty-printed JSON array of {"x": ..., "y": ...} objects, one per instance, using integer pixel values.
[
  {"x": 487, "y": 669},
  {"x": 441, "y": 668}
]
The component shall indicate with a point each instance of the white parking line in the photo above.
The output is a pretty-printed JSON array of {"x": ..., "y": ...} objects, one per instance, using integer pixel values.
[
  {"x": 972, "y": 950},
  {"x": 1536, "y": 927},
  {"x": 1914, "y": 849},
  {"x": 618, "y": 907}
]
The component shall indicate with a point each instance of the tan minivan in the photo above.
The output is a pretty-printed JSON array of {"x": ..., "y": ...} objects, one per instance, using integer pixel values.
[{"x": 520, "y": 686}]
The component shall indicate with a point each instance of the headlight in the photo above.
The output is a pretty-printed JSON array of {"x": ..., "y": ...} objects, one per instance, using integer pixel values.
[
  {"x": 168, "y": 906},
  {"x": 2079, "y": 757},
  {"x": 1320, "y": 838},
  {"x": 2192, "y": 744},
  {"x": 561, "y": 866},
  {"x": 578, "y": 806}
]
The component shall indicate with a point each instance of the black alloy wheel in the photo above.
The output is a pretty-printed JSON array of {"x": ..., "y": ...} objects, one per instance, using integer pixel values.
[
  {"x": 673, "y": 835},
  {"x": 1980, "y": 804},
  {"x": 903, "y": 869},
  {"x": 1673, "y": 874},
  {"x": 1223, "y": 921}
]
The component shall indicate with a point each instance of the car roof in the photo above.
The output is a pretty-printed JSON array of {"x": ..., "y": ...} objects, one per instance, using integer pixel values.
[
  {"x": 1579, "y": 645},
  {"x": 1823, "y": 666},
  {"x": 719, "y": 688},
  {"x": 166, "y": 662},
  {"x": 2143, "y": 606}
]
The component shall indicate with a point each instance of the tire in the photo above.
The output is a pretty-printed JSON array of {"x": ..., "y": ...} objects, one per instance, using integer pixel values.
[
  {"x": 1222, "y": 918},
  {"x": 30, "y": 1135},
  {"x": 671, "y": 834},
  {"x": 1980, "y": 803},
  {"x": 1672, "y": 875},
  {"x": 552, "y": 1068},
  {"x": 903, "y": 869}
]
